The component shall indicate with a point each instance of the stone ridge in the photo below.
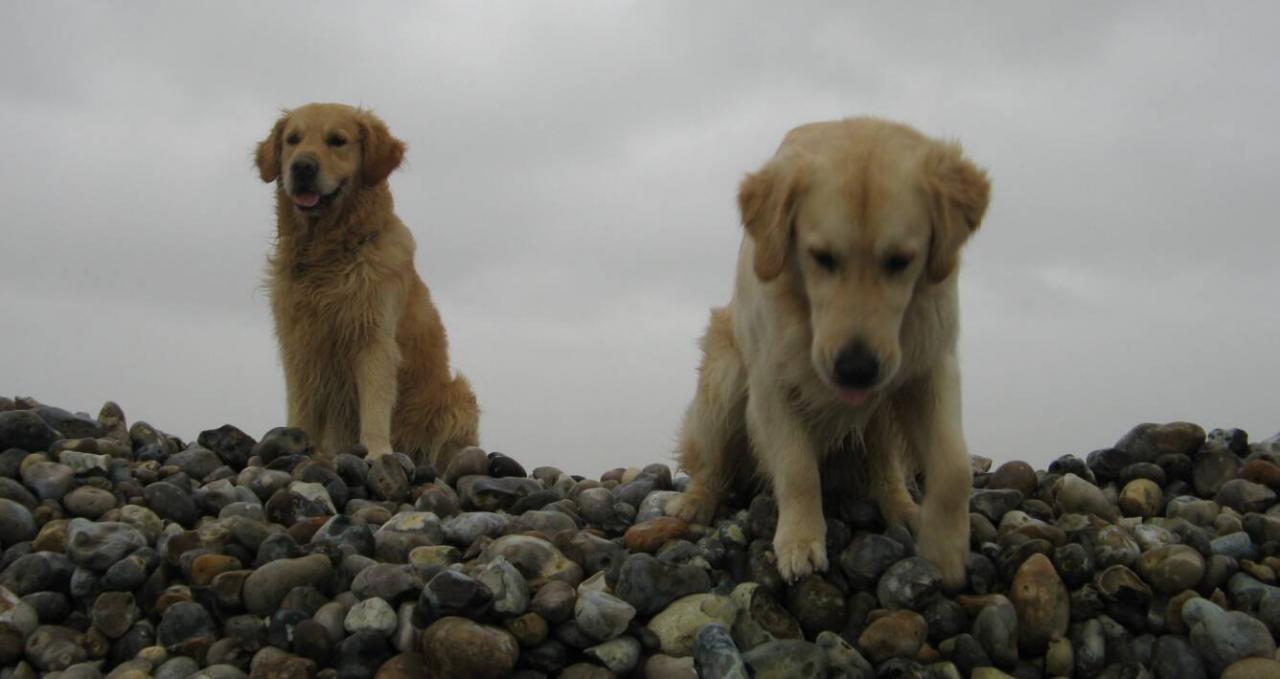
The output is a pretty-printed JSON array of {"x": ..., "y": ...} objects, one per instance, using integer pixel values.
[{"x": 130, "y": 553}]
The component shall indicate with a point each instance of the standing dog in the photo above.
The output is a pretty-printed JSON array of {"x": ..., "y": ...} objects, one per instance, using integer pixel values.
[
  {"x": 364, "y": 351},
  {"x": 840, "y": 339}
]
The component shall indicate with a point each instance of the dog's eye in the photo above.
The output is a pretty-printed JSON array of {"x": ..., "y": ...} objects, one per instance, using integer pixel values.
[
  {"x": 335, "y": 141},
  {"x": 896, "y": 263},
  {"x": 293, "y": 139},
  {"x": 824, "y": 259}
]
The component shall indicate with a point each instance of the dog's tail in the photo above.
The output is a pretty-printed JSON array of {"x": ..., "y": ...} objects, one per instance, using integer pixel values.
[{"x": 457, "y": 425}]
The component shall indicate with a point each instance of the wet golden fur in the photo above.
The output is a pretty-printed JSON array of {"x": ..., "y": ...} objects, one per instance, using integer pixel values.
[
  {"x": 858, "y": 192},
  {"x": 364, "y": 351}
]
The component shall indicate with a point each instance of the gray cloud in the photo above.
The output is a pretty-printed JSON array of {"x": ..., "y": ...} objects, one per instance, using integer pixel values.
[{"x": 570, "y": 181}]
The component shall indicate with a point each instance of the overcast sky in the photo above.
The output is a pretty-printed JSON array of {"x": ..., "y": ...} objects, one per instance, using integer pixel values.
[{"x": 570, "y": 181}]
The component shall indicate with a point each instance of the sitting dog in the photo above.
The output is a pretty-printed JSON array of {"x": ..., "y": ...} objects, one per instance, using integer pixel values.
[
  {"x": 837, "y": 353},
  {"x": 364, "y": 352}
]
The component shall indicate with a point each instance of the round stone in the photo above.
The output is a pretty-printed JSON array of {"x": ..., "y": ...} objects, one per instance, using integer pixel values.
[
  {"x": 554, "y": 601},
  {"x": 898, "y": 634},
  {"x": 371, "y": 615},
  {"x": 16, "y": 523},
  {"x": 537, "y": 560},
  {"x": 1224, "y": 637},
  {"x": 98, "y": 545},
  {"x": 89, "y": 502},
  {"x": 1245, "y": 496},
  {"x": 996, "y": 628},
  {"x": 1077, "y": 496},
  {"x": 1141, "y": 497},
  {"x": 1172, "y": 568},
  {"x": 1252, "y": 668},
  {"x": 457, "y": 647},
  {"x": 1015, "y": 475},
  {"x": 650, "y": 584},
  {"x": 760, "y": 617},
  {"x": 654, "y": 533},
  {"x": 114, "y": 613},
  {"x": 817, "y": 605},
  {"x": 1041, "y": 601},
  {"x": 619, "y": 655},
  {"x": 678, "y": 624},
  {"x": 267, "y": 586},
  {"x": 510, "y": 591},
  {"x": 910, "y": 583},
  {"x": 602, "y": 616}
]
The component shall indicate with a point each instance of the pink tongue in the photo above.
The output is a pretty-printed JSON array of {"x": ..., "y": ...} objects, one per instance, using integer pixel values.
[
  {"x": 854, "y": 396},
  {"x": 306, "y": 199}
]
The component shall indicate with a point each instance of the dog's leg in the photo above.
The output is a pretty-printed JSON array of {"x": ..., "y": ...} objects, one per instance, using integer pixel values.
[
  {"x": 713, "y": 418},
  {"x": 886, "y": 477},
  {"x": 302, "y": 401},
  {"x": 934, "y": 432},
  {"x": 789, "y": 457},
  {"x": 376, "y": 372}
]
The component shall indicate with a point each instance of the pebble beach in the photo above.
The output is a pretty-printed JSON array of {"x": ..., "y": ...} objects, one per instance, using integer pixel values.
[{"x": 126, "y": 552}]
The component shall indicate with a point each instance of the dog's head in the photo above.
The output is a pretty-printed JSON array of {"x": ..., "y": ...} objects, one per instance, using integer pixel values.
[
  {"x": 860, "y": 215},
  {"x": 322, "y": 153}
]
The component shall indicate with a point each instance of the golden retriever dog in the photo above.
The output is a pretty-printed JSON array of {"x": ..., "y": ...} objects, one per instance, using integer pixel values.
[
  {"x": 364, "y": 352},
  {"x": 837, "y": 355}
]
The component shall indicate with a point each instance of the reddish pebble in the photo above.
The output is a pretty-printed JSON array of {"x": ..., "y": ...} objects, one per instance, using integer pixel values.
[{"x": 654, "y": 533}]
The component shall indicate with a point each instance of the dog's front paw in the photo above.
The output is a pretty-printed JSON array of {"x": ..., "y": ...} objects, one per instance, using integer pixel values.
[
  {"x": 946, "y": 546},
  {"x": 901, "y": 511},
  {"x": 376, "y": 452},
  {"x": 799, "y": 553},
  {"x": 692, "y": 506}
]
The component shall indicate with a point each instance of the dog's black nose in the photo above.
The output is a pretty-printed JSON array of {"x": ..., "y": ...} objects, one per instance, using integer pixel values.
[
  {"x": 856, "y": 367},
  {"x": 304, "y": 168}
]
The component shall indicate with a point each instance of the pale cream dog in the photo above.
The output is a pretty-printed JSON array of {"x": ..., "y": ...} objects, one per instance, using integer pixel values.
[{"x": 842, "y": 328}]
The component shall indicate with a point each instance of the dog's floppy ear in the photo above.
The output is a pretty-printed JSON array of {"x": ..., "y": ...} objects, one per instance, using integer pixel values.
[
  {"x": 382, "y": 152},
  {"x": 767, "y": 200},
  {"x": 268, "y": 154},
  {"x": 959, "y": 191}
]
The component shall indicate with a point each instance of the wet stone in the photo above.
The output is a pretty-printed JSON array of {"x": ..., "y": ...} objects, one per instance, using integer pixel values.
[
  {"x": 48, "y": 480},
  {"x": 817, "y": 605},
  {"x": 996, "y": 628},
  {"x": 371, "y": 615},
  {"x": 172, "y": 503},
  {"x": 99, "y": 545},
  {"x": 788, "y": 658},
  {"x": 1224, "y": 637},
  {"x": 1146, "y": 442},
  {"x": 26, "y": 430},
  {"x": 16, "y": 523},
  {"x": 1245, "y": 496},
  {"x": 1172, "y": 568},
  {"x": 1077, "y": 496},
  {"x": 1042, "y": 603},
  {"x": 451, "y": 593},
  {"x": 1210, "y": 472},
  {"x": 898, "y": 634},
  {"x": 650, "y": 585},
  {"x": 677, "y": 625},
  {"x": 993, "y": 504},
  {"x": 602, "y": 616},
  {"x": 281, "y": 442},
  {"x": 619, "y": 655},
  {"x": 1141, "y": 497},
  {"x": 910, "y": 583},
  {"x": 457, "y": 647},
  {"x": 510, "y": 591},
  {"x": 868, "y": 556}
]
